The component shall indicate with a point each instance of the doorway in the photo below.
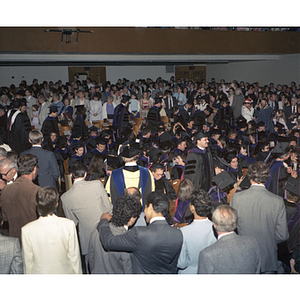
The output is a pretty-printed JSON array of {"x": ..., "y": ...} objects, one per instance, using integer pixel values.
[
  {"x": 194, "y": 73},
  {"x": 82, "y": 73}
]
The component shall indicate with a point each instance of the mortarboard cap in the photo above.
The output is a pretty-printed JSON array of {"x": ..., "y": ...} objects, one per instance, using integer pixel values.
[
  {"x": 223, "y": 180},
  {"x": 93, "y": 128},
  {"x": 221, "y": 163},
  {"x": 166, "y": 136},
  {"x": 130, "y": 150},
  {"x": 281, "y": 148},
  {"x": 101, "y": 141},
  {"x": 292, "y": 185},
  {"x": 245, "y": 183},
  {"x": 53, "y": 109},
  {"x": 200, "y": 135}
]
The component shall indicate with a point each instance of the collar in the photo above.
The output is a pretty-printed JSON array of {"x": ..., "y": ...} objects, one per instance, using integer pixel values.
[
  {"x": 78, "y": 179},
  {"x": 157, "y": 219},
  {"x": 133, "y": 163},
  {"x": 37, "y": 146},
  {"x": 258, "y": 184},
  {"x": 227, "y": 233},
  {"x": 201, "y": 148},
  {"x": 195, "y": 220}
]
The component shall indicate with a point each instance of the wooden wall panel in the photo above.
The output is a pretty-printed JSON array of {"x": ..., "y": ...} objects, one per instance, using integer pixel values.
[{"x": 149, "y": 40}]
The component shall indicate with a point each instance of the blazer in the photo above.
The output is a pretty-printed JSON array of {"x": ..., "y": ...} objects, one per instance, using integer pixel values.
[
  {"x": 10, "y": 256},
  {"x": 50, "y": 246},
  {"x": 231, "y": 254},
  {"x": 262, "y": 214},
  {"x": 19, "y": 204},
  {"x": 84, "y": 203},
  {"x": 48, "y": 171},
  {"x": 104, "y": 112},
  {"x": 102, "y": 261},
  {"x": 189, "y": 255},
  {"x": 155, "y": 248}
]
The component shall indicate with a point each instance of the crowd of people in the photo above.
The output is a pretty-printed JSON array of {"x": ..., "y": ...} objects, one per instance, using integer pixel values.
[{"x": 232, "y": 146}]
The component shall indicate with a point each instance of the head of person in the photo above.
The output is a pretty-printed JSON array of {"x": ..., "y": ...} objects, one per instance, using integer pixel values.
[
  {"x": 53, "y": 111},
  {"x": 157, "y": 204},
  {"x": 46, "y": 200},
  {"x": 181, "y": 144},
  {"x": 8, "y": 169},
  {"x": 201, "y": 140},
  {"x": 232, "y": 160},
  {"x": 78, "y": 170},
  {"x": 125, "y": 211},
  {"x": 130, "y": 153},
  {"x": 96, "y": 165},
  {"x": 224, "y": 218},
  {"x": 3, "y": 153},
  {"x": 157, "y": 171},
  {"x": 101, "y": 144},
  {"x": 133, "y": 192},
  {"x": 35, "y": 137},
  {"x": 258, "y": 172},
  {"x": 185, "y": 190},
  {"x": 201, "y": 203},
  {"x": 27, "y": 165}
]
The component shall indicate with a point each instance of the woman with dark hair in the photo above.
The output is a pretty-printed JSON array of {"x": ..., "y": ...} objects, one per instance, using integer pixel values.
[
  {"x": 96, "y": 168},
  {"x": 182, "y": 211},
  {"x": 234, "y": 169}
]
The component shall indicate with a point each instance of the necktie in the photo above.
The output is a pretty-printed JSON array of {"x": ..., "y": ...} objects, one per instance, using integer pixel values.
[{"x": 294, "y": 110}]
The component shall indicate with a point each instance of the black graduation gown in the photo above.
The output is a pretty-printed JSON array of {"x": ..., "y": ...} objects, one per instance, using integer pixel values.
[
  {"x": 153, "y": 118},
  {"x": 18, "y": 136},
  {"x": 50, "y": 125},
  {"x": 80, "y": 123}
]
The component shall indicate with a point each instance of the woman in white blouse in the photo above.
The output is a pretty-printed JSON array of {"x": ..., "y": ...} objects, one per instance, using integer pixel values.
[{"x": 96, "y": 108}]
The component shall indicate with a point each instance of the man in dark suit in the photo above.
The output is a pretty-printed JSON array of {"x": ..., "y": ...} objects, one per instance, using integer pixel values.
[
  {"x": 262, "y": 215},
  {"x": 155, "y": 248},
  {"x": 170, "y": 103},
  {"x": 48, "y": 171},
  {"x": 290, "y": 112},
  {"x": 231, "y": 254}
]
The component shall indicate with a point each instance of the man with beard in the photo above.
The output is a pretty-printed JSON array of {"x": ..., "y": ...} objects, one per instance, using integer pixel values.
[
  {"x": 199, "y": 167},
  {"x": 19, "y": 198}
]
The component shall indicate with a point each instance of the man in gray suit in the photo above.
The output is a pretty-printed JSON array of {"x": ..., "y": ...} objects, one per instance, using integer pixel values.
[
  {"x": 231, "y": 254},
  {"x": 237, "y": 102},
  {"x": 43, "y": 110},
  {"x": 101, "y": 261},
  {"x": 48, "y": 171},
  {"x": 262, "y": 215},
  {"x": 10, "y": 253},
  {"x": 84, "y": 203}
]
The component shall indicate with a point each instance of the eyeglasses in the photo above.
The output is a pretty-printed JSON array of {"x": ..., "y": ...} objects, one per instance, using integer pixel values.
[{"x": 1, "y": 175}]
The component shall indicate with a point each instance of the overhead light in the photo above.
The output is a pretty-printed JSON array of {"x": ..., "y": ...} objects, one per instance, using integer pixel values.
[{"x": 68, "y": 33}]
